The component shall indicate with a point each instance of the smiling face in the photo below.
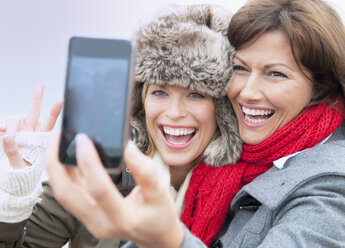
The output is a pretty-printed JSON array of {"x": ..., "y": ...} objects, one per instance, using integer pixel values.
[
  {"x": 268, "y": 89},
  {"x": 180, "y": 122}
]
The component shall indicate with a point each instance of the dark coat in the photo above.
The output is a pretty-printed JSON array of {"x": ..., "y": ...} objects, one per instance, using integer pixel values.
[{"x": 51, "y": 225}]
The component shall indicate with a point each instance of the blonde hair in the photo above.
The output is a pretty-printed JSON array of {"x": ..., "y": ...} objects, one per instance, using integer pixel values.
[{"x": 151, "y": 149}]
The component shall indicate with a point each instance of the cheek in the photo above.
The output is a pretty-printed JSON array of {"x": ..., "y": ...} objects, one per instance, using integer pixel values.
[
  {"x": 152, "y": 107},
  {"x": 207, "y": 117},
  {"x": 305, "y": 94},
  {"x": 151, "y": 113},
  {"x": 233, "y": 89},
  {"x": 294, "y": 100}
]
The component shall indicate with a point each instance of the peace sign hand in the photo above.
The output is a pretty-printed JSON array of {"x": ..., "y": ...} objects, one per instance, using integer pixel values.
[{"x": 28, "y": 124}]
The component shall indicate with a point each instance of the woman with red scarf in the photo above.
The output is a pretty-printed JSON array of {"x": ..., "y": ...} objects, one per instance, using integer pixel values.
[{"x": 287, "y": 189}]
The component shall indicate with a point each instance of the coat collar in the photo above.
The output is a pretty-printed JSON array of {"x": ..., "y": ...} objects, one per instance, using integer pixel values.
[{"x": 275, "y": 185}]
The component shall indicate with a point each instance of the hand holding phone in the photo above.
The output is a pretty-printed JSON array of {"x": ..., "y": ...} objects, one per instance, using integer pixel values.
[{"x": 97, "y": 98}]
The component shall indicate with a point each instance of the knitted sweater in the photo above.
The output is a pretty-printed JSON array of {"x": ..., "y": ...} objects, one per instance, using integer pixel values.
[{"x": 20, "y": 189}]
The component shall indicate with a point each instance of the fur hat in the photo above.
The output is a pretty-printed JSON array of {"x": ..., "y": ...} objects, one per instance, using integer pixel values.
[{"x": 188, "y": 47}]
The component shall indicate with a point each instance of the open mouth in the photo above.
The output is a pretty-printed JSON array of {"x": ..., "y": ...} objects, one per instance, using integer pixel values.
[
  {"x": 256, "y": 116},
  {"x": 178, "y": 137}
]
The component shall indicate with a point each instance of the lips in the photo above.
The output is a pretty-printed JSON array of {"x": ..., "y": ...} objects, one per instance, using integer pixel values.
[
  {"x": 256, "y": 116},
  {"x": 178, "y": 137}
]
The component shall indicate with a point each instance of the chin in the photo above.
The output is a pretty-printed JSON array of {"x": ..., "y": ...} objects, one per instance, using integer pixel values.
[
  {"x": 176, "y": 159},
  {"x": 178, "y": 162},
  {"x": 251, "y": 139}
]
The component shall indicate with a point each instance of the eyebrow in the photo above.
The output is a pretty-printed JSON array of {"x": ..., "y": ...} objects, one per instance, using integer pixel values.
[
  {"x": 278, "y": 64},
  {"x": 266, "y": 66},
  {"x": 242, "y": 61}
]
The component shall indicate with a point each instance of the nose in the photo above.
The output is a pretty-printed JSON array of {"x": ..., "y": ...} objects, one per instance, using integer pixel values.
[
  {"x": 177, "y": 109},
  {"x": 251, "y": 90}
]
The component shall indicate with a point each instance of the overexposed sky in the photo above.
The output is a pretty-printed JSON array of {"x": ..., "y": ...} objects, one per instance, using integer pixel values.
[{"x": 34, "y": 37}]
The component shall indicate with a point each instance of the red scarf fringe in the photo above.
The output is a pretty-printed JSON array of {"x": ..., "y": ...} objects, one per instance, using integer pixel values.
[{"x": 211, "y": 190}]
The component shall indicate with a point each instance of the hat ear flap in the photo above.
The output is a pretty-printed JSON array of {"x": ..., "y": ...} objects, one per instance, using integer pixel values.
[
  {"x": 138, "y": 132},
  {"x": 227, "y": 147}
]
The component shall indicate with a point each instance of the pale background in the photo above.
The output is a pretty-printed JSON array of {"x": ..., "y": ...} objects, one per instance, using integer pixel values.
[{"x": 34, "y": 36}]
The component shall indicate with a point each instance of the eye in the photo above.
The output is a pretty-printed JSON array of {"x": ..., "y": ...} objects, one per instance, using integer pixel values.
[
  {"x": 158, "y": 93},
  {"x": 238, "y": 68},
  {"x": 196, "y": 95},
  {"x": 277, "y": 74}
]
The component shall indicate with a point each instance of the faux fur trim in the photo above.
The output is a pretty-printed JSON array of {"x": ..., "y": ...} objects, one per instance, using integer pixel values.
[{"x": 188, "y": 47}]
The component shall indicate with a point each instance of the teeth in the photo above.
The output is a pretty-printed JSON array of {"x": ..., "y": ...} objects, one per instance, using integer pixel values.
[
  {"x": 254, "y": 121},
  {"x": 178, "y": 131},
  {"x": 248, "y": 111}
]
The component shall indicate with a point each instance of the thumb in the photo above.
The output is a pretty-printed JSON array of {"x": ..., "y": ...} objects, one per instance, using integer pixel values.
[{"x": 144, "y": 173}]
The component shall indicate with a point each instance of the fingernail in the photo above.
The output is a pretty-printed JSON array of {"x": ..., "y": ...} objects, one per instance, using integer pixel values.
[
  {"x": 60, "y": 102},
  {"x": 2, "y": 127},
  {"x": 132, "y": 148},
  {"x": 81, "y": 138},
  {"x": 39, "y": 88}
]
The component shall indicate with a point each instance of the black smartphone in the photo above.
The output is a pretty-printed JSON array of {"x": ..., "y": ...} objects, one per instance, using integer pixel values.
[{"x": 97, "y": 98}]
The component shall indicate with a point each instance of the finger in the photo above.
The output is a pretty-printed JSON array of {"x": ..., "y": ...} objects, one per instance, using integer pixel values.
[
  {"x": 11, "y": 150},
  {"x": 67, "y": 179},
  {"x": 49, "y": 123},
  {"x": 78, "y": 200},
  {"x": 143, "y": 170},
  {"x": 100, "y": 185},
  {"x": 34, "y": 113},
  {"x": 12, "y": 126},
  {"x": 3, "y": 127},
  {"x": 54, "y": 168}
]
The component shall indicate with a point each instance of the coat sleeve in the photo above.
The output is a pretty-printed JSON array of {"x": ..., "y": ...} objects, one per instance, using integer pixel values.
[
  {"x": 189, "y": 241},
  {"x": 313, "y": 216},
  {"x": 12, "y": 234},
  {"x": 49, "y": 225}
]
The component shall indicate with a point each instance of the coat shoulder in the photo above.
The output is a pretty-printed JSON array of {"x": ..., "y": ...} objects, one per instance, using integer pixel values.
[{"x": 274, "y": 186}]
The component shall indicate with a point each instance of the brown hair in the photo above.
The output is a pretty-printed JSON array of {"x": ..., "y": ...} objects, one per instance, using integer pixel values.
[{"x": 314, "y": 29}]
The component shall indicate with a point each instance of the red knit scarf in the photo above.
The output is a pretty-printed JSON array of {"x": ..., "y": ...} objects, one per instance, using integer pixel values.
[{"x": 211, "y": 190}]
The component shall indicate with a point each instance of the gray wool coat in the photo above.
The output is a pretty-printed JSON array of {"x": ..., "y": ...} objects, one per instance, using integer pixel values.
[{"x": 301, "y": 205}]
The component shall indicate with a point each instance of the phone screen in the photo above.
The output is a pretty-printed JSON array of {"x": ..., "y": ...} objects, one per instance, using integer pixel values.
[{"x": 95, "y": 104}]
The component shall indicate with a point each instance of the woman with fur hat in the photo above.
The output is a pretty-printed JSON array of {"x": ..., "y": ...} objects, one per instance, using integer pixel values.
[
  {"x": 287, "y": 91},
  {"x": 182, "y": 118}
]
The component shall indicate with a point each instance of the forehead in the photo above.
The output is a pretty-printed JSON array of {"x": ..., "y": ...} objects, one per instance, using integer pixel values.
[
  {"x": 273, "y": 43},
  {"x": 272, "y": 47}
]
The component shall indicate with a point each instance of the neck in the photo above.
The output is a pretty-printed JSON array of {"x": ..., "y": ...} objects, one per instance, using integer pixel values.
[{"x": 178, "y": 175}]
